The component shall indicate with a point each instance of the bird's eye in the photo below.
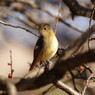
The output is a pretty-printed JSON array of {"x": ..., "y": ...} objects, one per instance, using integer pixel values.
[{"x": 44, "y": 28}]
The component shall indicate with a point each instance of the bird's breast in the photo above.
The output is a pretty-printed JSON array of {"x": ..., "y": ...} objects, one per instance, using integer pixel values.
[{"x": 50, "y": 47}]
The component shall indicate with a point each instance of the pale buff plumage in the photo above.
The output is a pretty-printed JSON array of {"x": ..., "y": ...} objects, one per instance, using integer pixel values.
[{"x": 49, "y": 45}]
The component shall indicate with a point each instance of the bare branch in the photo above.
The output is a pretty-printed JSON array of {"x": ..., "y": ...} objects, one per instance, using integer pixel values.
[
  {"x": 91, "y": 17},
  {"x": 52, "y": 14},
  {"x": 8, "y": 12},
  {"x": 90, "y": 22},
  {"x": 83, "y": 92},
  {"x": 61, "y": 65},
  {"x": 56, "y": 73},
  {"x": 1, "y": 22},
  {"x": 8, "y": 86},
  {"x": 36, "y": 6},
  {"x": 77, "y": 9},
  {"x": 74, "y": 47},
  {"x": 47, "y": 90},
  {"x": 66, "y": 88},
  {"x": 57, "y": 18},
  {"x": 72, "y": 27}
]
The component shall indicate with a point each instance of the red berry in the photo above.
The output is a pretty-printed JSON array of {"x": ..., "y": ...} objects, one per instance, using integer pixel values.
[
  {"x": 10, "y": 76},
  {"x": 9, "y": 64},
  {"x": 12, "y": 70}
]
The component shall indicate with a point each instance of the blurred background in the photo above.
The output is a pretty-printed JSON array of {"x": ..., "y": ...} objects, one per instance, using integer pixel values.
[{"x": 21, "y": 43}]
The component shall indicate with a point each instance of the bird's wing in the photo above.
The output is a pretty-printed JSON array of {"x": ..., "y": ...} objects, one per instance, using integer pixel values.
[
  {"x": 38, "y": 47},
  {"x": 37, "y": 50}
]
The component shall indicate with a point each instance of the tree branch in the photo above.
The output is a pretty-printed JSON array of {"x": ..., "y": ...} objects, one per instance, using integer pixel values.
[
  {"x": 62, "y": 64},
  {"x": 77, "y": 9},
  {"x": 66, "y": 88},
  {"x": 1, "y": 22},
  {"x": 57, "y": 72},
  {"x": 8, "y": 86}
]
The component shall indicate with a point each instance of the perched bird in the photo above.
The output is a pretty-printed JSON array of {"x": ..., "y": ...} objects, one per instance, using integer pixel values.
[{"x": 46, "y": 46}]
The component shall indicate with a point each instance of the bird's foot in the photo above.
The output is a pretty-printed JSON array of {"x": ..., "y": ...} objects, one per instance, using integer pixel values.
[
  {"x": 47, "y": 64},
  {"x": 44, "y": 64}
]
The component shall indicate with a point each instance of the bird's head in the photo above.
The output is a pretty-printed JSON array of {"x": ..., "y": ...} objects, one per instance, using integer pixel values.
[{"x": 45, "y": 30}]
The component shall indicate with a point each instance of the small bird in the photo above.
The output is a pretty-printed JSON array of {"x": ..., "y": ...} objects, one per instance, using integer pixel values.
[{"x": 46, "y": 46}]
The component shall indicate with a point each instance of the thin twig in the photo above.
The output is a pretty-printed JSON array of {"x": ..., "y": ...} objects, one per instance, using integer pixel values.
[
  {"x": 57, "y": 18},
  {"x": 87, "y": 67},
  {"x": 11, "y": 62},
  {"x": 73, "y": 81},
  {"x": 47, "y": 90},
  {"x": 90, "y": 22},
  {"x": 12, "y": 14},
  {"x": 1, "y": 22},
  {"x": 91, "y": 39},
  {"x": 91, "y": 17},
  {"x": 57, "y": 72},
  {"x": 74, "y": 28},
  {"x": 84, "y": 90},
  {"x": 66, "y": 88},
  {"x": 51, "y": 14}
]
